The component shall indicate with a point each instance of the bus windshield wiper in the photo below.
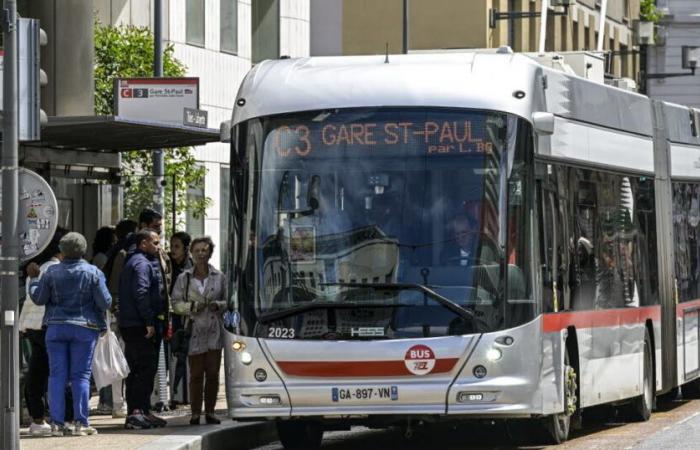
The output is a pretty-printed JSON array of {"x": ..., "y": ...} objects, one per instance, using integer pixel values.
[
  {"x": 444, "y": 301},
  {"x": 308, "y": 306}
]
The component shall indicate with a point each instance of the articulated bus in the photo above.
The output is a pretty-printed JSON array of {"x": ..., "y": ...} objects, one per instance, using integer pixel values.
[{"x": 456, "y": 236}]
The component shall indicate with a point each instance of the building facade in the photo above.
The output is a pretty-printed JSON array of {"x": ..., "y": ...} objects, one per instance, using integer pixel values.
[
  {"x": 360, "y": 27},
  {"x": 679, "y": 26},
  {"x": 218, "y": 41}
]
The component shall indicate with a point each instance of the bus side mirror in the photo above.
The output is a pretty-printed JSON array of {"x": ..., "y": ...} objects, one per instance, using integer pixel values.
[{"x": 543, "y": 122}]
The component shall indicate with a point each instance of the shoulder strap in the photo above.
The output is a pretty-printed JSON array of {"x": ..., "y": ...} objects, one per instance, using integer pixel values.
[{"x": 187, "y": 288}]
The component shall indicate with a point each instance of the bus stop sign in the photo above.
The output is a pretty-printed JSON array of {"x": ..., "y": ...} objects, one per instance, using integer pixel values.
[{"x": 38, "y": 214}]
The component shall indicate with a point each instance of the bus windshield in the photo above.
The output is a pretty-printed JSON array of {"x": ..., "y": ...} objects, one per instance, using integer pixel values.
[{"x": 412, "y": 222}]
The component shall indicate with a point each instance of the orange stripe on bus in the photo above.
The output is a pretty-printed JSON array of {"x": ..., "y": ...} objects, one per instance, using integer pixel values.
[
  {"x": 357, "y": 368},
  {"x": 553, "y": 322}
]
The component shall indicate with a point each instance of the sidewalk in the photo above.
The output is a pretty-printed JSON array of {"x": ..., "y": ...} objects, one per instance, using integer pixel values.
[{"x": 179, "y": 434}]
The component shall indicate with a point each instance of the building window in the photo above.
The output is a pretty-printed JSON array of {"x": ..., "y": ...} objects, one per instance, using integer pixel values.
[
  {"x": 266, "y": 30},
  {"x": 229, "y": 26},
  {"x": 194, "y": 23},
  {"x": 225, "y": 209}
]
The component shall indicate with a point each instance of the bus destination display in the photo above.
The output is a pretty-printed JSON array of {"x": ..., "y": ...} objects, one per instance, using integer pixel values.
[{"x": 431, "y": 137}]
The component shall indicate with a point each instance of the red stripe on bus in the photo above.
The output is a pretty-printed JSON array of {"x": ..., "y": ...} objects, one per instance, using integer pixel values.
[
  {"x": 357, "y": 368},
  {"x": 681, "y": 308},
  {"x": 553, "y": 322}
]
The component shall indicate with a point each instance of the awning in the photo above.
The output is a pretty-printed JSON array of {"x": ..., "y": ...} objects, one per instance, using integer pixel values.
[{"x": 116, "y": 134}]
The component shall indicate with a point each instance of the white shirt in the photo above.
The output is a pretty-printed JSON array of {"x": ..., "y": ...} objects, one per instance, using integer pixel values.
[{"x": 201, "y": 285}]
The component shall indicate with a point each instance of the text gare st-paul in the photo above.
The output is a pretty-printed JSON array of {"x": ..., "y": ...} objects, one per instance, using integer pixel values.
[{"x": 439, "y": 137}]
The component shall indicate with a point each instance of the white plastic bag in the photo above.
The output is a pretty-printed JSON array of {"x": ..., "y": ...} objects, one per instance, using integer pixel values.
[{"x": 108, "y": 363}]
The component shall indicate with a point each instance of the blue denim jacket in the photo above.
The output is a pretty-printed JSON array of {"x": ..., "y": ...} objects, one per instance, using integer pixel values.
[{"x": 75, "y": 293}]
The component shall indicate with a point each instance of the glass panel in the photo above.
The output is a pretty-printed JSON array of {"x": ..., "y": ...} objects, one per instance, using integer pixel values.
[
  {"x": 266, "y": 30},
  {"x": 355, "y": 206},
  {"x": 194, "y": 26},
  {"x": 194, "y": 223},
  {"x": 225, "y": 197},
  {"x": 229, "y": 26},
  {"x": 615, "y": 246},
  {"x": 686, "y": 233}
]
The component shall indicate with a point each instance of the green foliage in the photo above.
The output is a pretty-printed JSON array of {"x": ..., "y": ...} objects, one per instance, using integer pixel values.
[
  {"x": 127, "y": 51},
  {"x": 648, "y": 11}
]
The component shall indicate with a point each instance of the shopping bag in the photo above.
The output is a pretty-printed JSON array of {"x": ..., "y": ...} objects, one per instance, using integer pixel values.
[{"x": 108, "y": 363}]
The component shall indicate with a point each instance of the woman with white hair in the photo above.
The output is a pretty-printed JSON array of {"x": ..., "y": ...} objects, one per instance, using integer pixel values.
[{"x": 76, "y": 298}]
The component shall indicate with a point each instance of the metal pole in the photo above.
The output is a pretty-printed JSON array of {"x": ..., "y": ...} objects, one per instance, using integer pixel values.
[
  {"x": 543, "y": 26},
  {"x": 405, "y": 27},
  {"x": 158, "y": 164},
  {"x": 601, "y": 25},
  {"x": 158, "y": 176},
  {"x": 173, "y": 212},
  {"x": 9, "y": 255}
]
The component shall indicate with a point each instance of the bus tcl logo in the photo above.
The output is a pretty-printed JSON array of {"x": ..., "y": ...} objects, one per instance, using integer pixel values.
[
  {"x": 420, "y": 360},
  {"x": 367, "y": 332}
]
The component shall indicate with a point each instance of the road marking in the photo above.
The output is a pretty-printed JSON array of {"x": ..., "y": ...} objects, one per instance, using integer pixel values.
[{"x": 686, "y": 419}]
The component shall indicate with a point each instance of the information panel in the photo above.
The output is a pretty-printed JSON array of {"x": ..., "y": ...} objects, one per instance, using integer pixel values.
[
  {"x": 38, "y": 213},
  {"x": 155, "y": 99}
]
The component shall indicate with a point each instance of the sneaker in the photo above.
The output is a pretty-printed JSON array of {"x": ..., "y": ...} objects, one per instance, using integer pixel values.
[
  {"x": 137, "y": 421},
  {"x": 103, "y": 410},
  {"x": 60, "y": 430},
  {"x": 83, "y": 430},
  {"x": 40, "y": 429},
  {"x": 156, "y": 421},
  {"x": 119, "y": 414}
]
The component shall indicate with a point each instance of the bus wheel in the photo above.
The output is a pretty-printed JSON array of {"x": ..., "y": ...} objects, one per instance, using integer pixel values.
[
  {"x": 559, "y": 425},
  {"x": 641, "y": 406},
  {"x": 299, "y": 434}
]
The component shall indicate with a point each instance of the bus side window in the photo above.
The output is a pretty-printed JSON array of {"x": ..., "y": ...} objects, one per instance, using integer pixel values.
[
  {"x": 551, "y": 241},
  {"x": 584, "y": 242}
]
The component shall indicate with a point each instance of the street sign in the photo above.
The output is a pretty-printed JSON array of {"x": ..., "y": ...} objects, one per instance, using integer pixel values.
[
  {"x": 155, "y": 99},
  {"x": 195, "y": 118},
  {"x": 38, "y": 214}
]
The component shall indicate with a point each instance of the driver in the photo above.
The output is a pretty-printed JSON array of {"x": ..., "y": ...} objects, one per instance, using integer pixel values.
[{"x": 469, "y": 246}]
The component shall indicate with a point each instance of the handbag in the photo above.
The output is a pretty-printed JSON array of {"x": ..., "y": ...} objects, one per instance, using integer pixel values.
[
  {"x": 108, "y": 362},
  {"x": 180, "y": 343}
]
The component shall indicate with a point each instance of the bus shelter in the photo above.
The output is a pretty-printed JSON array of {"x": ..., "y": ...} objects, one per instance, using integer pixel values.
[{"x": 80, "y": 156}]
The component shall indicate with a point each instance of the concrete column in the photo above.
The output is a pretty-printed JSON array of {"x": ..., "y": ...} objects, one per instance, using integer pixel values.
[{"x": 68, "y": 57}]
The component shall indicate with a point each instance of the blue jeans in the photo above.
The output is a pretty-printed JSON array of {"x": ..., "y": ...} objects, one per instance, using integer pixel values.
[{"x": 70, "y": 349}]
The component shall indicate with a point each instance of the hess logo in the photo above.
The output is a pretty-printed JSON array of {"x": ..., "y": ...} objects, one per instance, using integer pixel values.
[{"x": 420, "y": 360}]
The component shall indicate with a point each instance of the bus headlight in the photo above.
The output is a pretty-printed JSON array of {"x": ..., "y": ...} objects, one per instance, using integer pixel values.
[
  {"x": 493, "y": 354},
  {"x": 246, "y": 358}
]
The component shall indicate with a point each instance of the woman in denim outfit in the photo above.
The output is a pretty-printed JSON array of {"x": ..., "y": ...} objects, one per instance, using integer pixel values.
[{"x": 76, "y": 298}]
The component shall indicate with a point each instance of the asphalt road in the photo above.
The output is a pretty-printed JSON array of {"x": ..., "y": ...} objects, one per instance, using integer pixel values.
[{"x": 676, "y": 425}]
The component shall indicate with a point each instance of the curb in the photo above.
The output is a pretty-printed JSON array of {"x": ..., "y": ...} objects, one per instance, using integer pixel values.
[{"x": 240, "y": 436}]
